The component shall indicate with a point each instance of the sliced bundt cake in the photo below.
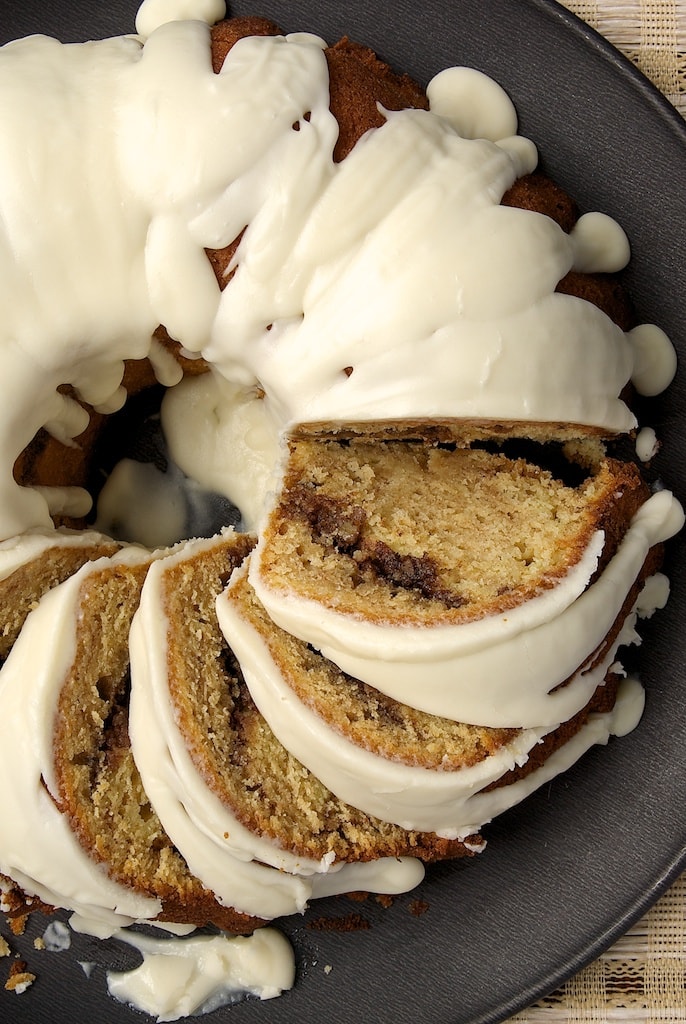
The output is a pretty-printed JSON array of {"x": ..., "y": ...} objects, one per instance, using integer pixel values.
[{"x": 453, "y": 603}]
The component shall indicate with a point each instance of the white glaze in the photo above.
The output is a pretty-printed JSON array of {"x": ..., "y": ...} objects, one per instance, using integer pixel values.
[
  {"x": 600, "y": 244},
  {"x": 491, "y": 272},
  {"x": 598, "y": 729},
  {"x": 143, "y": 505},
  {"x": 152, "y": 14},
  {"x": 57, "y": 937},
  {"x": 654, "y": 359},
  {"x": 222, "y": 435},
  {"x": 474, "y": 104},
  {"x": 182, "y": 977},
  {"x": 647, "y": 444},
  {"x": 654, "y": 595},
  {"x": 105, "y": 239}
]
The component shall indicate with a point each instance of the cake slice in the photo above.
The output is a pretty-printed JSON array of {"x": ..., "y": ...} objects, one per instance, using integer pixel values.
[
  {"x": 413, "y": 768},
  {"x": 96, "y": 784},
  {"x": 32, "y": 564},
  {"x": 416, "y": 535},
  {"x": 470, "y": 584},
  {"x": 84, "y": 835}
]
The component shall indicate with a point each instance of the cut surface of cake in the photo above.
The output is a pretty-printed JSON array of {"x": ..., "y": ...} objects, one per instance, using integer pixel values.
[{"x": 32, "y": 564}]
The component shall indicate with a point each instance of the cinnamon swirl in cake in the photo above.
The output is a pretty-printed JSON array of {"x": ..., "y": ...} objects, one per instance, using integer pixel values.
[{"x": 407, "y": 358}]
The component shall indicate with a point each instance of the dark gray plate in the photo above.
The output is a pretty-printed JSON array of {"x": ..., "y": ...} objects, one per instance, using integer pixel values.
[{"x": 573, "y": 867}]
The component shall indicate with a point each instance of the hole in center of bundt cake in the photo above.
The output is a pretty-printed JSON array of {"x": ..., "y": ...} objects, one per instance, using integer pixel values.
[{"x": 139, "y": 494}]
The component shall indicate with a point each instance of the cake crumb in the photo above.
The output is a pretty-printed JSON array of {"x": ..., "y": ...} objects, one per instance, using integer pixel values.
[
  {"x": 4, "y": 946},
  {"x": 18, "y": 924},
  {"x": 384, "y": 900},
  {"x": 328, "y": 969},
  {"x": 349, "y": 923},
  {"x": 39, "y": 943},
  {"x": 19, "y": 978},
  {"x": 418, "y": 907}
]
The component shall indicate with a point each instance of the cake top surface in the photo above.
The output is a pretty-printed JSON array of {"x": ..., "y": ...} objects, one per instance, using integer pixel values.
[{"x": 391, "y": 286}]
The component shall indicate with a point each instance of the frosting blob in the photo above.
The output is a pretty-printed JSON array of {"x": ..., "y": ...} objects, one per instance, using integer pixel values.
[
  {"x": 180, "y": 977},
  {"x": 153, "y": 13}
]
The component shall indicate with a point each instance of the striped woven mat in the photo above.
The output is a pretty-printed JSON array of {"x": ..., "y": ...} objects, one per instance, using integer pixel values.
[
  {"x": 652, "y": 33},
  {"x": 642, "y": 978}
]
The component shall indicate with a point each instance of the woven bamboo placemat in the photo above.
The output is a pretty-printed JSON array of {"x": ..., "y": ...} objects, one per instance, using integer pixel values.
[
  {"x": 642, "y": 978},
  {"x": 652, "y": 33}
]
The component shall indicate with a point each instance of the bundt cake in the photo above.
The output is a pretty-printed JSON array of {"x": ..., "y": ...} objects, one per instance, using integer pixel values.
[{"x": 407, "y": 359}]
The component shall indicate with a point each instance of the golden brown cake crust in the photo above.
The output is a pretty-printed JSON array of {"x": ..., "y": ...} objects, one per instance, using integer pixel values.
[
  {"x": 359, "y": 82},
  {"x": 539, "y": 194}
]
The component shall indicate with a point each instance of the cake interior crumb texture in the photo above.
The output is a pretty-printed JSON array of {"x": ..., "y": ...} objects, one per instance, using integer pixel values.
[{"x": 399, "y": 530}]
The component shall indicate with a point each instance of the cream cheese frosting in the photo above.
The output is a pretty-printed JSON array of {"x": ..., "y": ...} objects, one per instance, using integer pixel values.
[
  {"x": 118, "y": 198},
  {"x": 141, "y": 158},
  {"x": 222, "y": 435},
  {"x": 184, "y": 977},
  {"x": 598, "y": 729}
]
